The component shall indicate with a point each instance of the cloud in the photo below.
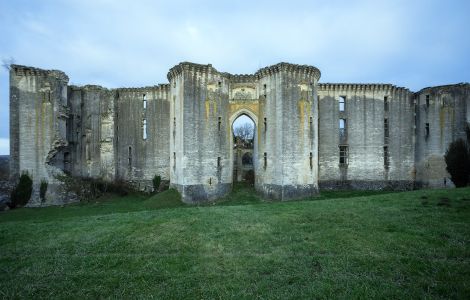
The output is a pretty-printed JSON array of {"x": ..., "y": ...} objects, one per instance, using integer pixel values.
[{"x": 133, "y": 43}]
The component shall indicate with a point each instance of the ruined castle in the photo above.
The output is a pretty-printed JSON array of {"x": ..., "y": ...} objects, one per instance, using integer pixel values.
[{"x": 308, "y": 135}]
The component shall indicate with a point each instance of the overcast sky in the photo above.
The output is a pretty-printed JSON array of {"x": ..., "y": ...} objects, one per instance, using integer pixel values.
[{"x": 133, "y": 43}]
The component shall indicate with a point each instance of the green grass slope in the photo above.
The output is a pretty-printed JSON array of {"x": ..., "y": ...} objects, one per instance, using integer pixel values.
[{"x": 396, "y": 245}]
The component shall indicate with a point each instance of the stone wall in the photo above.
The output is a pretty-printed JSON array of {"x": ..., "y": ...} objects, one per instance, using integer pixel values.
[
  {"x": 201, "y": 163},
  {"x": 388, "y": 137},
  {"x": 368, "y": 110},
  {"x": 288, "y": 149},
  {"x": 39, "y": 110},
  {"x": 141, "y": 156},
  {"x": 446, "y": 111}
]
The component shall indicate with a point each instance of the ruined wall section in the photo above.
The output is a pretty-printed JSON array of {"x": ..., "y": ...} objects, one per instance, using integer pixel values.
[
  {"x": 291, "y": 141},
  {"x": 442, "y": 114},
  {"x": 199, "y": 146},
  {"x": 91, "y": 132},
  {"x": 38, "y": 106},
  {"x": 355, "y": 150},
  {"x": 143, "y": 135}
]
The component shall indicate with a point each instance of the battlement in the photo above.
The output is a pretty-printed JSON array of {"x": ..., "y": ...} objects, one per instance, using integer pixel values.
[
  {"x": 294, "y": 68},
  {"x": 464, "y": 85},
  {"x": 361, "y": 87},
  {"x": 188, "y": 66},
  {"x": 241, "y": 78},
  {"x": 165, "y": 87},
  {"x": 19, "y": 70}
]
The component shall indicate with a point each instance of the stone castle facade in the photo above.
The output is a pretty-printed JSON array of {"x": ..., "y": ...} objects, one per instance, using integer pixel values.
[{"x": 308, "y": 135}]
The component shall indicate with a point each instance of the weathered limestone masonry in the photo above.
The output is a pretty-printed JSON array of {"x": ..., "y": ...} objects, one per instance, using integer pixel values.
[
  {"x": 206, "y": 102},
  {"x": 375, "y": 156},
  {"x": 308, "y": 136},
  {"x": 442, "y": 113},
  {"x": 38, "y": 116}
]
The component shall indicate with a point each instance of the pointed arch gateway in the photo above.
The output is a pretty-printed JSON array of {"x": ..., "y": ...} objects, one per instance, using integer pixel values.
[{"x": 243, "y": 170}]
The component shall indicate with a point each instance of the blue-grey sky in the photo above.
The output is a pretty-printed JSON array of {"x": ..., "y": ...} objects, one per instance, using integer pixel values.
[{"x": 133, "y": 43}]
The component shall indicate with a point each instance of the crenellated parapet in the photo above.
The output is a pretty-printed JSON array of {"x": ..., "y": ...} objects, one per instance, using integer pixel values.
[
  {"x": 445, "y": 88},
  {"x": 287, "y": 67},
  {"x": 192, "y": 67},
  {"x": 241, "y": 78},
  {"x": 30, "y": 71},
  {"x": 160, "y": 91},
  {"x": 360, "y": 87}
]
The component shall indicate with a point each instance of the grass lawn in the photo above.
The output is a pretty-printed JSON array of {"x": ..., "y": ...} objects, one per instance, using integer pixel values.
[{"x": 339, "y": 245}]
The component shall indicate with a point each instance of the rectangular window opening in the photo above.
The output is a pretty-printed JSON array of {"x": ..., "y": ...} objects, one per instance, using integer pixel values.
[
  {"x": 265, "y": 160},
  {"x": 218, "y": 162},
  {"x": 343, "y": 155},
  {"x": 311, "y": 161},
  {"x": 342, "y": 130},
  {"x": 129, "y": 158},
  {"x": 427, "y": 130},
  {"x": 265, "y": 125},
  {"x": 342, "y": 103},
  {"x": 386, "y": 103},
  {"x": 220, "y": 123},
  {"x": 427, "y": 100},
  {"x": 386, "y": 131},
  {"x": 144, "y": 129},
  {"x": 386, "y": 157},
  {"x": 144, "y": 101}
]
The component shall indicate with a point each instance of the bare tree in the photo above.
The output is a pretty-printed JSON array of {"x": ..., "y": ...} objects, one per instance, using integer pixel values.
[
  {"x": 244, "y": 133},
  {"x": 7, "y": 62}
]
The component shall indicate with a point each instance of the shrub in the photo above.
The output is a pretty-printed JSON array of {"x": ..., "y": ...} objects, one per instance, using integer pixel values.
[
  {"x": 86, "y": 189},
  {"x": 457, "y": 158},
  {"x": 156, "y": 182},
  {"x": 22, "y": 192},
  {"x": 43, "y": 190}
]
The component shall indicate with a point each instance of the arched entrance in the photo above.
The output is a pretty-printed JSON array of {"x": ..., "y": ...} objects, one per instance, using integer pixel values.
[{"x": 244, "y": 146}]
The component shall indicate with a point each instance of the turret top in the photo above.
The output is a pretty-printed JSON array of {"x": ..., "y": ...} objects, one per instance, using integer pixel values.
[{"x": 283, "y": 66}]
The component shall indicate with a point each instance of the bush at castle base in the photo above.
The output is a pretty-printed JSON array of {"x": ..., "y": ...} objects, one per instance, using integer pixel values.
[{"x": 22, "y": 192}]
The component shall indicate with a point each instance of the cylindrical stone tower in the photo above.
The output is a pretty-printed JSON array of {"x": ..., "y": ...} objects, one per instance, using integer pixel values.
[{"x": 289, "y": 150}]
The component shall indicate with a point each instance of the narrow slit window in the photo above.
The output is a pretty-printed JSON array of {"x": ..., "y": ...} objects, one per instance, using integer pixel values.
[
  {"x": 386, "y": 157},
  {"x": 342, "y": 103},
  {"x": 144, "y": 129},
  {"x": 220, "y": 123},
  {"x": 386, "y": 103},
  {"x": 265, "y": 157},
  {"x": 129, "y": 158},
  {"x": 144, "y": 101},
  {"x": 265, "y": 125},
  {"x": 311, "y": 123},
  {"x": 343, "y": 155},
  {"x": 87, "y": 151},
  {"x": 311, "y": 160},
  {"x": 174, "y": 158},
  {"x": 427, "y": 100},
  {"x": 386, "y": 131},
  {"x": 427, "y": 130},
  {"x": 218, "y": 162}
]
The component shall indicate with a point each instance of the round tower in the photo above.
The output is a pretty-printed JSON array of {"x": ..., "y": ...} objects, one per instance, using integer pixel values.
[{"x": 289, "y": 148}]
